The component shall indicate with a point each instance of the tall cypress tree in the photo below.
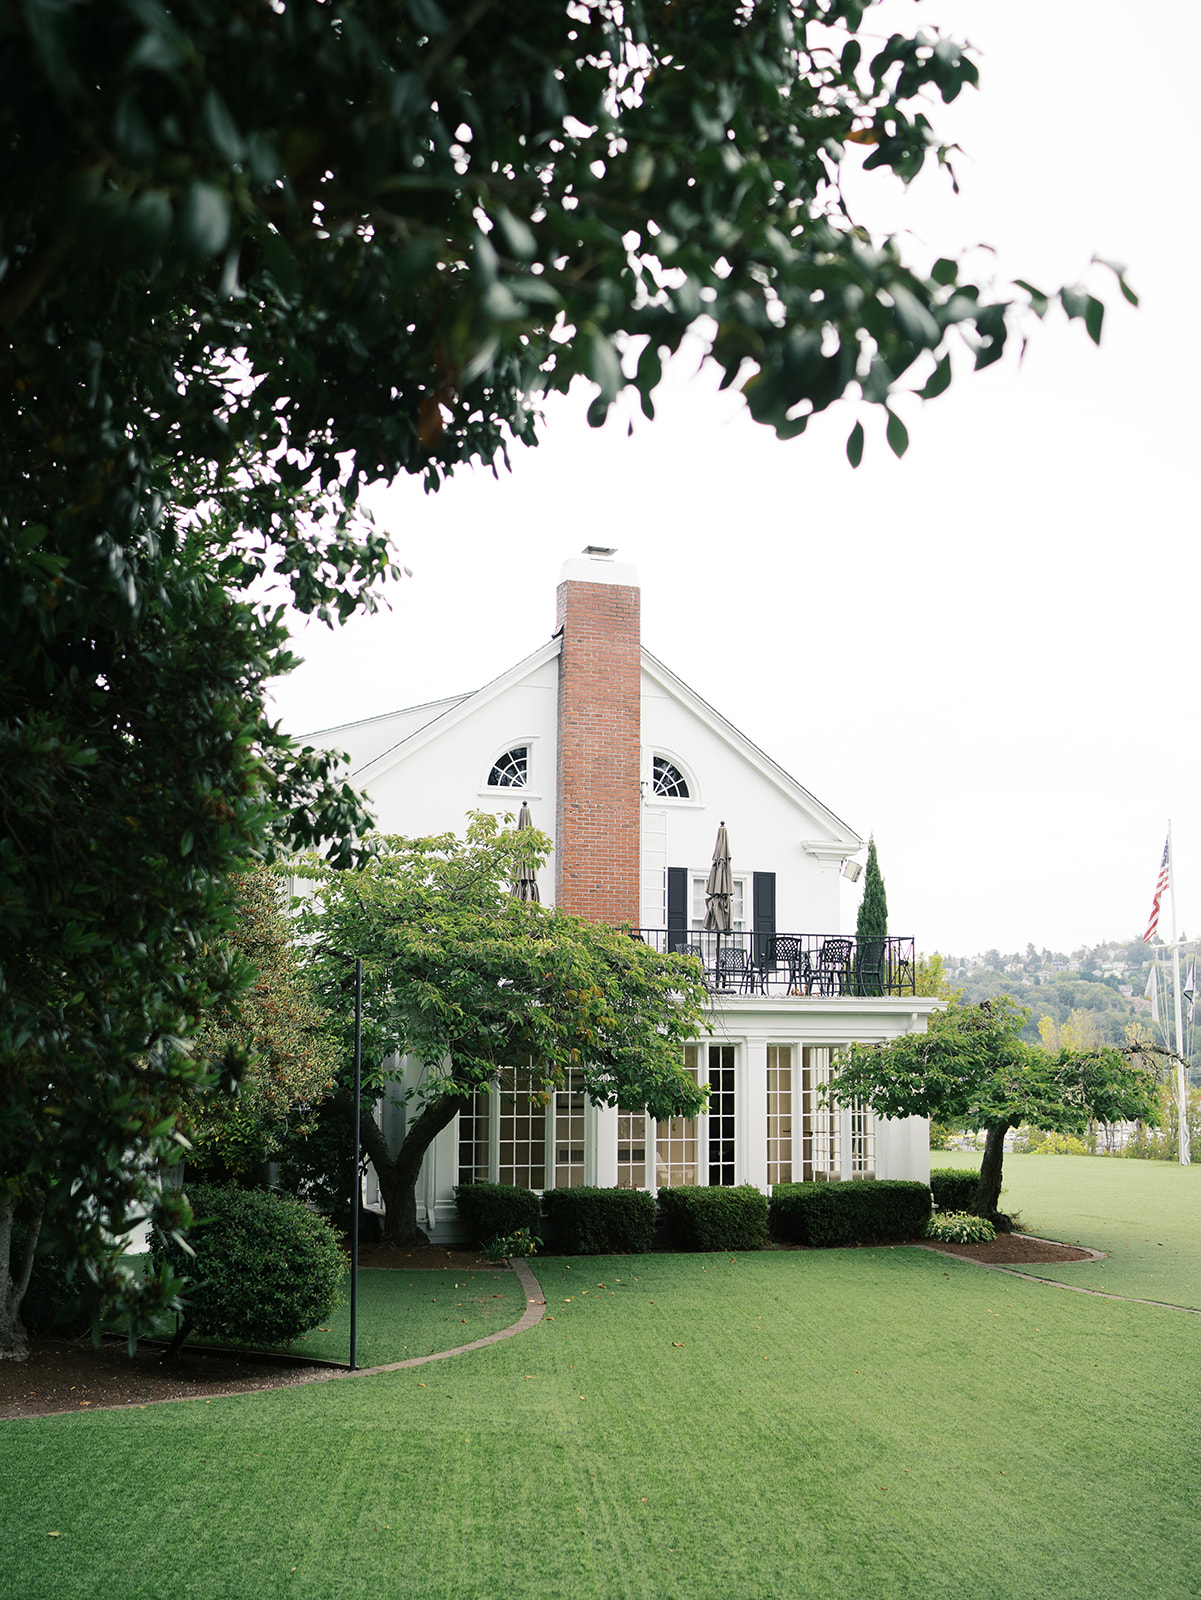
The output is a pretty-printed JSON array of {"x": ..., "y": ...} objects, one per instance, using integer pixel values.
[{"x": 872, "y": 925}]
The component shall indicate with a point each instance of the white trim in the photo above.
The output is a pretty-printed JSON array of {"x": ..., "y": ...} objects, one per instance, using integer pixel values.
[
  {"x": 458, "y": 713},
  {"x": 842, "y": 841}
]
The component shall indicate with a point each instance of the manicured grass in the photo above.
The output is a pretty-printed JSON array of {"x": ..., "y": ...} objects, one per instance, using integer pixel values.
[
  {"x": 843, "y": 1424},
  {"x": 404, "y": 1314},
  {"x": 1145, "y": 1214}
]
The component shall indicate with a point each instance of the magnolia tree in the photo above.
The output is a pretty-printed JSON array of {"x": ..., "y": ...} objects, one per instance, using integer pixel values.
[
  {"x": 970, "y": 1069},
  {"x": 468, "y": 980}
]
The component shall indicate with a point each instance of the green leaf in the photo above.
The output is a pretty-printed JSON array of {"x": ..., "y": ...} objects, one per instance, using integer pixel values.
[
  {"x": 945, "y": 271},
  {"x": 203, "y": 220},
  {"x": 938, "y": 380},
  {"x": 221, "y": 127},
  {"x": 898, "y": 435},
  {"x": 855, "y": 445},
  {"x": 1094, "y": 316},
  {"x": 517, "y": 234}
]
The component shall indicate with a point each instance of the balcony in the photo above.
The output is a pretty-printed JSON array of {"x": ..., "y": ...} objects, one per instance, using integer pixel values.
[{"x": 796, "y": 964}]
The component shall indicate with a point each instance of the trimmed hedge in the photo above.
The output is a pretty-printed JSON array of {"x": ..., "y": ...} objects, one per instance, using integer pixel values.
[
  {"x": 496, "y": 1210},
  {"x": 266, "y": 1267},
  {"x": 953, "y": 1188},
  {"x": 600, "y": 1222},
  {"x": 715, "y": 1218},
  {"x": 849, "y": 1213}
]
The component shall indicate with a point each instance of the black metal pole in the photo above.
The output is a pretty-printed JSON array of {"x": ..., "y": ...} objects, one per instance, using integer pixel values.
[{"x": 354, "y": 1181}]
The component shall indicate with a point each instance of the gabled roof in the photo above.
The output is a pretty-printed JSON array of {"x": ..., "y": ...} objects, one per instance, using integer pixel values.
[
  {"x": 455, "y": 711},
  {"x": 835, "y": 837},
  {"x": 842, "y": 841}
]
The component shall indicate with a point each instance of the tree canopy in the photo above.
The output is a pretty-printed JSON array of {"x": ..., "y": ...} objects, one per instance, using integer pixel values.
[
  {"x": 471, "y": 981},
  {"x": 971, "y": 1069}
]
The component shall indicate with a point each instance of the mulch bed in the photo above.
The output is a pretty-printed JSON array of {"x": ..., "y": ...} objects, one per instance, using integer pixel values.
[{"x": 65, "y": 1375}]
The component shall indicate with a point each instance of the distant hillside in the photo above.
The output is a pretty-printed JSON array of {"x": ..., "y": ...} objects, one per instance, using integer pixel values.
[{"x": 1089, "y": 996}]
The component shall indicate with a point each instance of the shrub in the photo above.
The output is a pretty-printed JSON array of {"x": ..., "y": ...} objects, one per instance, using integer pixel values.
[
  {"x": 715, "y": 1218},
  {"x": 953, "y": 1189},
  {"x": 600, "y": 1222},
  {"x": 522, "y": 1243},
  {"x": 960, "y": 1227},
  {"x": 848, "y": 1213},
  {"x": 496, "y": 1210},
  {"x": 266, "y": 1268}
]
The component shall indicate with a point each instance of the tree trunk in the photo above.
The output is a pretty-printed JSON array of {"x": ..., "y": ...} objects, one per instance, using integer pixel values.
[
  {"x": 398, "y": 1174},
  {"x": 988, "y": 1191},
  {"x": 14, "y": 1341}
]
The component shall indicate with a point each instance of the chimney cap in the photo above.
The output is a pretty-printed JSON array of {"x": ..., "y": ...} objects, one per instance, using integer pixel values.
[
  {"x": 596, "y": 565},
  {"x": 600, "y": 552}
]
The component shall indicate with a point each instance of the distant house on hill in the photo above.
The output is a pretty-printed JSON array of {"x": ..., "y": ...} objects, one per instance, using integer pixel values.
[{"x": 631, "y": 773}]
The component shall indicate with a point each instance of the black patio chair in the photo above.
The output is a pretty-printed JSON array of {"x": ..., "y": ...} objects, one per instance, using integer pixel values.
[
  {"x": 834, "y": 966},
  {"x": 870, "y": 976},
  {"x": 731, "y": 965},
  {"x": 791, "y": 953}
]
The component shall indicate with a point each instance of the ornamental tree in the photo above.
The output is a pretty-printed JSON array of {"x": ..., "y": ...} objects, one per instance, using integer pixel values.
[
  {"x": 469, "y": 980},
  {"x": 290, "y": 1045},
  {"x": 971, "y": 1069},
  {"x": 872, "y": 922}
]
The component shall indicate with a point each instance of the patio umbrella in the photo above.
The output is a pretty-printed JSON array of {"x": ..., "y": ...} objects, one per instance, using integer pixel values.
[
  {"x": 719, "y": 889},
  {"x": 525, "y": 885}
]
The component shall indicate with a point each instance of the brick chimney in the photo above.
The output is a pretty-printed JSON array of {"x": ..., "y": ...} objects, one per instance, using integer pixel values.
[{"x": 599, "y": 801}]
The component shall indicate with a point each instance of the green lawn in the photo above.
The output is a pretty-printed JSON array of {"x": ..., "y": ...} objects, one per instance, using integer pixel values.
[
  {"x": 1145, "y": 1214},
  {"x": 867, "y": 1423}
]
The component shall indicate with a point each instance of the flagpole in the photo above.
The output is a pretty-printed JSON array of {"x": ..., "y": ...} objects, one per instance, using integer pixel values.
[{"x": 1181, "y": 1070}]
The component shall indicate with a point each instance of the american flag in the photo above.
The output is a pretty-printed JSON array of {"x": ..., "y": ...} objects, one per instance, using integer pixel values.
[{"x": 1161, "y": 884}]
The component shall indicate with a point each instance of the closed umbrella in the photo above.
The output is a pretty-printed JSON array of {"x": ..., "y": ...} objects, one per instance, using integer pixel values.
[
  {"x": 719, "y": 889},
  {"x": 525, "y": 885}
]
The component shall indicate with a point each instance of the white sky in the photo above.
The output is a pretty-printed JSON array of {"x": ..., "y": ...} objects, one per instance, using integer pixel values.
[{"x": 982, "y": 653}]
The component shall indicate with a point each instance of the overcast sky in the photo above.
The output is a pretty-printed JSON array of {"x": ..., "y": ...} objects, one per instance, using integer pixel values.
[{"x": 982, "y": 653}]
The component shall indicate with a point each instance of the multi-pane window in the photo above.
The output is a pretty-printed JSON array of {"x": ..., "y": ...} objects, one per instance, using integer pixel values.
[
  {"x": 522, "y": 1118},
  {"x": 668, "y": 780},
  {"x": 473, "y": 1138},
  {"x": 631, "y": 1149},
  {"x": 511, "y": 770},
  {"x": 569, "y": 1133},
  {"x": 819, "y": 1122},
  {"x": 737, "y": 903},
  {"x": 779, "y": 1113},
  {"x": 863, "y": 1141},
  {"x": 721, "y": 1114},
  {"x": 676, "y": 1141}
]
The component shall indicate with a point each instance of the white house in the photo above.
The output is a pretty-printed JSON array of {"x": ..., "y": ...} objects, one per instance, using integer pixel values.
[{"x": 631, "y": 773}]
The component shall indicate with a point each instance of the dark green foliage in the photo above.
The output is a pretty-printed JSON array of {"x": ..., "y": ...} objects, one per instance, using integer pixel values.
[
  {"x": 715, "y": 1218},
  {"x": 953, "y": 1189},
  {"x": 494, "y": 1210},
  {"x": 56, "y": 1303},
  {"x": 848, "y": 1213},
  {"x": 600, "y": 1222},
  {"x": 266, "y": 1268},
  {"x": 871, "y": 926}
]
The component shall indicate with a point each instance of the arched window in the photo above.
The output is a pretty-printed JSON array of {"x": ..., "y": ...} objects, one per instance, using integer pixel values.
[
  {"x": 511, "y": 770},
  {"x": 668, "y": 780}
]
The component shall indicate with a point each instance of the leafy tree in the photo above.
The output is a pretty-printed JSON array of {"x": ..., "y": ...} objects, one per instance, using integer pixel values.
[
  {"x": 872, "y": 923},
  {"x": 972, "y": 1069},
  {"x": 471, "y": 981},
  {"x": 291, "y": 1047},
  {"x": 256, "y": 255}
]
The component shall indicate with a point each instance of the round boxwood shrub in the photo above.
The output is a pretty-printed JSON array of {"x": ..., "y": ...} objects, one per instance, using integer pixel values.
[{"x": 266, "y": 1268}]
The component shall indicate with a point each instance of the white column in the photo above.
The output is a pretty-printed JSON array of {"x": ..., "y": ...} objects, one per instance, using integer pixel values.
[
  {"x": 751, "y": 1124},
  {"x": 600, "y": 1149}
]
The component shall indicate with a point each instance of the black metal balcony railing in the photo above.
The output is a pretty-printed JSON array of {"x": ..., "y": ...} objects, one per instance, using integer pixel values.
[{"x": 793, "y": 963}]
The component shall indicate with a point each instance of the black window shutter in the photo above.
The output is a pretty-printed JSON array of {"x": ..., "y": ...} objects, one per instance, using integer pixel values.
[
  {"x": 763, "y": 910},
  {"x": 677, "y": 906}
]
